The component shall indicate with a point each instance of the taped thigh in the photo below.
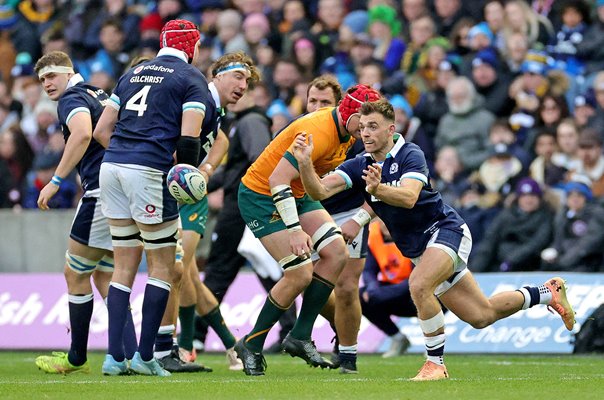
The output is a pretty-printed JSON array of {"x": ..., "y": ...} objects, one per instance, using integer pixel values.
[
  {"x": 292, "y": 262},
  {"x": 125, "y": 236},
  {"x": 327, "y": 233},
  {"x": 80, "y": 265},
  {"x": 105, "y": 265},
  {"x": 165, "y": 237}
]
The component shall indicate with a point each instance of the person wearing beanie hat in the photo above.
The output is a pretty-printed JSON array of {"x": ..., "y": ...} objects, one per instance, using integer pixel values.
[
  {"x": 393, "y": 178},
  {"x": 276, "y": 208},
  {"x": 480, "y": 37},
  {"x": 357, "y": 21},
  {"x": 578, "y": 234},
  {"x": 518, "y": 234},
  {"x": 491, "y": 81},
  {"x": 384, "y": 28}
]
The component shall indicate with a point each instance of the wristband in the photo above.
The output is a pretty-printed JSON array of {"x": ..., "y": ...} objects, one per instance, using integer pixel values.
[
  {"x": 56, "y": 180},
  {"x": 284, "y": 200},
  {"x": 362, "y": 217}
]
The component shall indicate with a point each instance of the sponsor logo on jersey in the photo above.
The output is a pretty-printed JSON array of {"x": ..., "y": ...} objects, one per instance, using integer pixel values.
[
  {"x": 274, "y": 217},
  {"x": 394, "y": 168},
  {"x": 193, "y": 217}
]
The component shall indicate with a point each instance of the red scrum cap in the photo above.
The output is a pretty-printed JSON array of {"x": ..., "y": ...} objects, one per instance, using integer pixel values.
[
  {"x": 354, "y": 99},
  {"x": 179, "y": 34}
]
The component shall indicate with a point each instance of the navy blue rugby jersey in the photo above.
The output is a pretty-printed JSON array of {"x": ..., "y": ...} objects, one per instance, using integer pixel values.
[
  {"x": 151, "y": 98},
  {"x": 411, "y": 229},
  {"x": 348, "y": 199},
  {"x": 82, "y": 97},
  {"x": 211, "y": 121}
]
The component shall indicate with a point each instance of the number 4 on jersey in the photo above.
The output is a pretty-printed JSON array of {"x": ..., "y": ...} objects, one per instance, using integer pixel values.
[{"x": 138, "y": 102}]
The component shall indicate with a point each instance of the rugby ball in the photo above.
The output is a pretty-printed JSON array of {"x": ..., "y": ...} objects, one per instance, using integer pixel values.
[{"x": 186, "y": 184}]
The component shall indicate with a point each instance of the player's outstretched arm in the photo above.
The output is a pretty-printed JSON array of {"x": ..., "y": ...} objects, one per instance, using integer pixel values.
[
  {"x": 404, "y": 196},
  {"x": 318, "y": 189},
  {"x": 104, "y": 127},
  {"x": 80, "y": 127}
]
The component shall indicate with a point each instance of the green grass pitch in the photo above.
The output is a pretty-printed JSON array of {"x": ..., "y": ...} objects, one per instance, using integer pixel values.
[{"x": 483, "y": 377}]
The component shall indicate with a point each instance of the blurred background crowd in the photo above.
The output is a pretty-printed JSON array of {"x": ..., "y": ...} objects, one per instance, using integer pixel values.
[{"x": 505, "y": 98}]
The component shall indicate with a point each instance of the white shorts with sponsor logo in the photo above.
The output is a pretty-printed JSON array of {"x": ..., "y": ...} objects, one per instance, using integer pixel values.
[
  {"x": 458, "y": 247},
  {"x": 137, "y": 192},
  {"x": 358, "y": 248}
]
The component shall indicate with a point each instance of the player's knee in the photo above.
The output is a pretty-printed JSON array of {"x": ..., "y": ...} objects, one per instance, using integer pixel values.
[
  {"x": 481, "y": 320},
  {"x": 298, "y": 278},
  {"x": 420, "y": 289},
  {"x": 330, "y": 233},
  {"x": 76, "y": 266},
  {"x": 164, "y": 237},
  {"x": 347, "y": 291},
  {"x": 177, "y": 274}
]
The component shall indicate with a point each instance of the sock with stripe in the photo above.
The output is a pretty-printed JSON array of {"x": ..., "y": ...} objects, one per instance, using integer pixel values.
[
  {"x": 348, "y": 353},
  {"x": 315, "y": 297},
  {"x": 118, "y": 300},
  {"x": 164, "y": 341},
  {"x": 268, "y": 317},
  {"x": 435, "y": 347},
  {"x": 534, "y": 295},
  {"x": 80, "y": 313},
  {"x": 154, "y": 305},
  {"x": 216, "y": 321},
  {"x": 186, "y": 315}
]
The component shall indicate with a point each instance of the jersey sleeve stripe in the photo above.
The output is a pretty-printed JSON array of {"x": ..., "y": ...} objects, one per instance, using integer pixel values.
[
  {"x": 194, "y": 106},
  {"x": 115, "y": 102},
  {"x": 416, "y": 175},
  {"x": 75, "y": 111},
  {"x": 346, "y": 178}
]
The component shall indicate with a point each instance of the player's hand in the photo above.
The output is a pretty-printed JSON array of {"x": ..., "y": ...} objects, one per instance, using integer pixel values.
[
  {"x": 350, "y": 230},
  {"x": 300, "y": 243},
  {"x": 46, "y": 194},
  {"x": 372, "y": 177},
  {"x": 303, "y": 147}
]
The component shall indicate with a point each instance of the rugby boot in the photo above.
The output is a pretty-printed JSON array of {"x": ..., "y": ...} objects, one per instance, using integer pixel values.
[
  {"x": 151, "y": 367},
  {"x": 306, "y": 350},
  {"x": 58, "y": 363},
  {"x": 235, "y": 364},
  {"x": 115, "y": 368},
  {"x": 431, "y": 372},
  {"x": 335, "y": 353},
  {"x": 348, "y": 367},
  {"x": 559, "y": 302},
  {"x": 186, "y": 355},
  {"x": 397, "y": 347},
  {"x": 253, "y": 363},
  {"x": 173, "y": 363}
]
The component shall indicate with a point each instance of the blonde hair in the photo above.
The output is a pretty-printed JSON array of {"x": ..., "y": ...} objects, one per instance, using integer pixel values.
[
  {"x": 237, "y": 57},
  {"x": 53, "y": 58}
]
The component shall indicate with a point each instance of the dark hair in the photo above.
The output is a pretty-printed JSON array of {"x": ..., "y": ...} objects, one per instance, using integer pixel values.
[
  {"x": 560, "y": 103},
  {"x": 381, "y": 106},
  {"x": 327, "y": 81}
]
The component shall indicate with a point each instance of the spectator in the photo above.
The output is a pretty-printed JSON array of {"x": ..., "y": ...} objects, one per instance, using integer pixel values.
[
  {"x": 129, "y": 25},
  {"x": 459, "y": 36},
  {"x": 591, "y": 161},
  {"x": 516, "y": 237},
  {"x": 575, "y": 21},
  {"x": 305, "y": 55},
  {"x": 494, "y": 15},
  {"x": 36, "y": 16},
  {"x": 591, "y": 48},
  {"x": 279, "y": 115},
  {"x": 17, "y": 155},
  {"x": 542, "y": 168},
  {"x": 111, "y": 57},
  {"x": 424, "y": 78},
  {"x": 449, "y": 178},
  {"x": 597, "y": 121},
  {"x": 519, "y": 17},
  {"x": 432, "y": 105},
  {"x": 448, "y": 12},
  {"x": 466, "y": 125},
  {"x": 491, "y": 82},
  {"x": 501, "y": 132},
  {"x": 514, "y": 51},
  {"x": 578, "y": 234},
  {"x": 286, "y": 76},
  {"x": 567, "y": 138},
  {"x": 229, "y": 34},
  {"x": 330, "y": 14},
  {"x": 551, "y": 111},
  {"x": 411, "y": 10},
  {"x": 421, "y": 31},
  {"x": 500, "y": 171},
  {"x": 385, "y": 28},
  {"x": 585, "y": 107}
]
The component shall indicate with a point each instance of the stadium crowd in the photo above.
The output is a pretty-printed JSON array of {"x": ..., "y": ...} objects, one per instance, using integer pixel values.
[{"x": 505, "y": 98}]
